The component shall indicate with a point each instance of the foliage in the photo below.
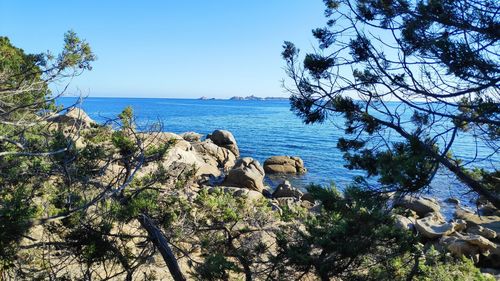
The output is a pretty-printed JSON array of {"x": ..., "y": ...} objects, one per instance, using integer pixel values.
[
  {"x": 432, "y": 265},
  {"x": 231, "y": 232},
  {"x": 97, "y": 202},
  {"x": 351, "y": 232},
  {"x": 447, "y": 269},
  {"x": 15, "y": 214},
  {"x": 26, "y": 102},
  {"x": 61, "y": 183},
  {"x": 215, "y": 267},
  {"x": 409, "y": 78}
]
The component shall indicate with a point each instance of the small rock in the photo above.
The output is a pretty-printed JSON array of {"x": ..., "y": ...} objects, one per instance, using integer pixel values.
[
  {"x": 485, "y": 245},
  {"x": 306, "y": 204},
  {"x": 276, "y": 208},
  {"x": 284, "y": 165},
  {"x": 452, "y": 200},
  {"x": 191, "y": 136},
  {"x": 285, "y": 189},
  {"x": 472, "y": 246},
  {"x": 421, "y": 205},
  {"x": 488, "y": 210},
  {"x": 289, "y": 202},
  {"x": 267, "y": 193},
  {"x": 404, "y": 223},
  {"x": 308, "y": 197},
  {"x": 460, "y": 225}
]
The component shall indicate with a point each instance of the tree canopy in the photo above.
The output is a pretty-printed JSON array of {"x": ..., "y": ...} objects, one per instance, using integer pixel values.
[{"x": 409, "y": 78}]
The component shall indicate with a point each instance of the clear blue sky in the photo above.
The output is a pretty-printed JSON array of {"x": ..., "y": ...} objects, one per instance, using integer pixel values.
[{"x": 183, "y": 49}]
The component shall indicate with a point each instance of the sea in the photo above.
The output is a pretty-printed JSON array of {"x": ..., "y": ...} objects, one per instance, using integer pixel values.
[{"x": 264, "y": 128}]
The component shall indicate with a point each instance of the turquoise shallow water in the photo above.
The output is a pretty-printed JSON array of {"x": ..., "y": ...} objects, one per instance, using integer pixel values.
[{"x": 266, "y": 128}]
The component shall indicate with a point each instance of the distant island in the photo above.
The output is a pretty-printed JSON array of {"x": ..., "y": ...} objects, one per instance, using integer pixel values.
[
  {"x": 206, "y": 98},
  {"x": 251, "y": 97}
]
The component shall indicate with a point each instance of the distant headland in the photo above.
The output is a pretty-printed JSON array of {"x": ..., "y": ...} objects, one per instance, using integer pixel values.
[{"x": 251, "y": 97}]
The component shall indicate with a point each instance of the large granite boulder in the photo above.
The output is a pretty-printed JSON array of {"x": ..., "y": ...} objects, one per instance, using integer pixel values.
[
  {"x": 285, "y": 189},
  {"x": 184, "y": 152},
  {"x": 246, "y": 173},
  {"x": 421, "y": 205},
  {"x": 161, "y": 137},
  {"x": 483, "y": 231},
  {"x": 284, "y": 165},
  {"x": 433, "y": 227},
  {"x": 458, "y": 247},
  {"x": 490, "y": 222},
  {"x": 469, "y": 245},
  {"x": 218, "y": 156},
  {"x": 225, "y": 139},
  {"x": 74, "y": 117},
  {"x": 183, "y": 158}
]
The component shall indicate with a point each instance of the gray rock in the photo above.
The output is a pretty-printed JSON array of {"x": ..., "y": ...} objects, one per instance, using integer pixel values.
[
  {"x": 462, "y": 244},
  {"x": 483, "y": 231},
  {"x": 308, "y": 197},
  {"x": 246, "y": 173},
  {"x": 74, "y": 117},
  {"x": 191, "y": 136},
  {"x": 460, "y": 225},
  {"x": 405, "y": 223},
  {"x": 224, "y": 157},
  {"x": 458, "y": 247},
  {"x": 491, "y": 222},
  {"x": 421, "y": 205},
  {"x": 285, "y": 189},
  {"x": 284, "y": 165},
  {"x": 275, "y": 207},
  {"x": 433, "y": 227},
  {"x": 225, "y": 139},
  {"x": 489, "y": 209}
]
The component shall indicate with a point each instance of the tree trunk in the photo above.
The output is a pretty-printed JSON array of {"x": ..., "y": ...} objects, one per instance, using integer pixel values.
[
  {"x": 161, "y": 244},
  {"x": 475, "y": 185},
  {"x": 468, "y": 180}
]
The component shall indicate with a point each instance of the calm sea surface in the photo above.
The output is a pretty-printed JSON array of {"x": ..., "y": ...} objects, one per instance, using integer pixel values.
[{"x": 266, "y": 128}]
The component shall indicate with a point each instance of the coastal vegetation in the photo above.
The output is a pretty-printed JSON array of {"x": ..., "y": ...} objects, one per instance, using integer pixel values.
[
  {"x": 438, "y": 59},
  {"x": 118, "y": 201}
]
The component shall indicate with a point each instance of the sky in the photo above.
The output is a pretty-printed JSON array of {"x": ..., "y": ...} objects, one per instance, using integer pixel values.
[{"x": 174, "y": 49}]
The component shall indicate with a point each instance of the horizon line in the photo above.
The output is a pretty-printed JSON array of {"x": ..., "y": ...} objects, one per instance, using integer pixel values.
[{"x": 156, "y": 97}]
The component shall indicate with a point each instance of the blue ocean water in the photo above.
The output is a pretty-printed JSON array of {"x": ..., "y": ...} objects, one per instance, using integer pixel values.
[{"x": 266, "y": 128}]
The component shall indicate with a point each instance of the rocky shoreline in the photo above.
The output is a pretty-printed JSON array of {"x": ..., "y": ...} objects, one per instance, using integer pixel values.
[
  {"x": 477, "y": 237},
  {"x": 218, "y": 167}
]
